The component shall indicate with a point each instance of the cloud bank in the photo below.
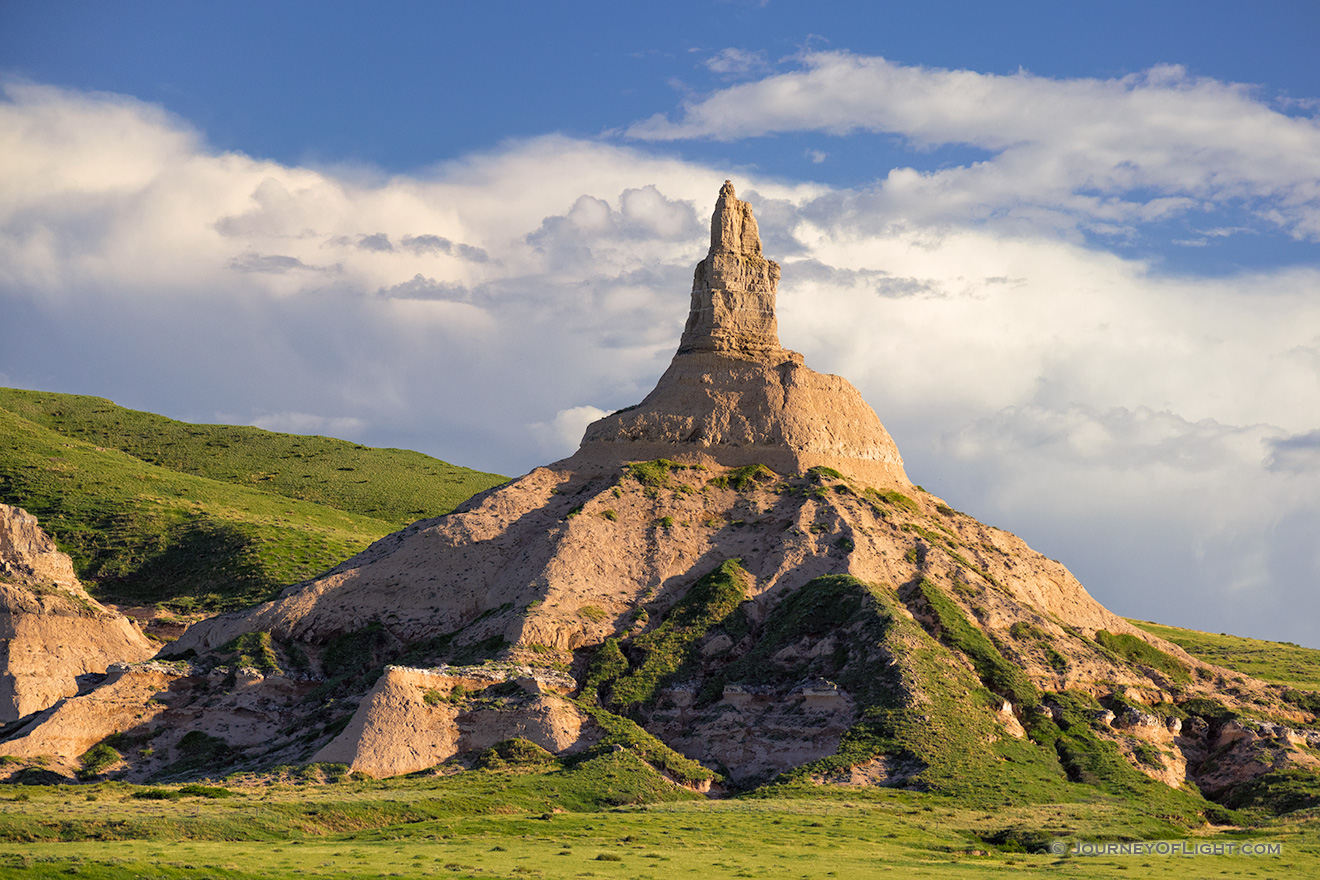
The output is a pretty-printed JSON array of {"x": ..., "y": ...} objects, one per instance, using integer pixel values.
[
  {"x": 1155, "y": 431},
  {"x": 1104, "y": 153}
]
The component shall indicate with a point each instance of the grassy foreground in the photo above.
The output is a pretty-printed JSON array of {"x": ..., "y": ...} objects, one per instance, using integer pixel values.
[
  {"x": 205, "y": 517},
  {"x": 482, "y": 825}
]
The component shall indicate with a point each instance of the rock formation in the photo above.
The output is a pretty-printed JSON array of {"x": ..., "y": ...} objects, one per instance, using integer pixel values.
[
  {"x": 51, "y": 631},
  {"x": 732, "y": 395},
  {"x": 739, "y": 566},
  {"x": 414, "y": 719}
]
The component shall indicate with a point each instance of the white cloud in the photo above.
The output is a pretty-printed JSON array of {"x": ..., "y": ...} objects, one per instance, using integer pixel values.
[
  {"x": 1180, "y": 521},
  {"x": 561, "y": 436},
  {"x": 442, "y": 306},
  {"x": 1146, "y": 428},
  {"x": 1297, "y": 453},
  {"x": 1120, "y": 151},
  {"x": 736, "y": 62}
]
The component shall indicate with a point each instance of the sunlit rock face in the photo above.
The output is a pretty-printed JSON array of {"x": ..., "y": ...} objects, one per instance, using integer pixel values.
[
  {"x": 51, "y": 630},
  {"x": 733, "y": 289},
  {"x": 733, "y": 395}
]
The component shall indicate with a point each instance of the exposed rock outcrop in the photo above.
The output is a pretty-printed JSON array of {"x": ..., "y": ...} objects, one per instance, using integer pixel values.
[
  {"x": 414, "y": 719},
  {"x": 123, "y": 701},
  {"x": 51, "y": 630},
  {"x": 732, "y": 395}
]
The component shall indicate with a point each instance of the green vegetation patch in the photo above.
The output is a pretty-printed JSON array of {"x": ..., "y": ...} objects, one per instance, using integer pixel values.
[
  {"x": 668, "y": 650},
  {"x": 820, "y": 473},
  {"x": 1136, "y": 651},
  {"x": 607, "y": 665},
  {"x": 1030, "y": 634},
  {"x": 1097, "y": 762},
  {"x": 97, "y": 760},
  {"x": 254, "y": 649},
  {"x": 553, "y": 825},
  {"x": 631, "y": 738},
  {"x": 516, "y": 754},
  {"x": 142, "y": 534},
  {"x": 744, "y": 478},
  {"x": 193, "y": 789},
  {"x": 654, "y": 474},
  {"x": 1025, "y": 631},
  {"x": 834, "y": 604},
  {"x": 353, "y": 653},
  {"x": 395, "y": 486},
  {"x": 1211, "y": 710},
  {"x": 954, "y": 629},
  {"x": 894, "y": 498},
  {"x": 920, "y": 712},
  {"x": 198, "y": 754},
  {"x": 1308, "y": 701},
  {"x": 1278, "y": 792}
]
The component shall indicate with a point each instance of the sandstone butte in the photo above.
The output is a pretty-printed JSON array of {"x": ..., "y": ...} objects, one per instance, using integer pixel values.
[{"x": 738, "y": 564}]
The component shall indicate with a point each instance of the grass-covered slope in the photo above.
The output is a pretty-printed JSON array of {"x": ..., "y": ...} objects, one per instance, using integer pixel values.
[
  {"x": 395, "y": 486},
  {"x": 1279, "y": 662},
  {"x": 925, "y": 687},
  {"x": 198, "y": 517}
]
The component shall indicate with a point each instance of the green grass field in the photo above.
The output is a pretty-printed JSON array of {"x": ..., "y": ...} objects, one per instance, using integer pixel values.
[
  {"x": 205, "y": 517},
  {"x": 484, "y": 824}
]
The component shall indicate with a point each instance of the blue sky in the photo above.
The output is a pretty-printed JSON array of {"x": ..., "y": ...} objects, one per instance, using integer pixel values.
[{"x": 1069, "y": 252}]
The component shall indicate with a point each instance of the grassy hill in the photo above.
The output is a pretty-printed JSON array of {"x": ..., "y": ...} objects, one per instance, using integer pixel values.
[
  {"x": 1280, "y": 662},
  {"x": 396, "y": 486},
  {"x": 205, "y": 517}
]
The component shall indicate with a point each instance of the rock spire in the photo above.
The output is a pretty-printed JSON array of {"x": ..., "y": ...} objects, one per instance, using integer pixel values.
[
  {"x": 733, "y": 289},
  {"x": 733, "y": 395}
]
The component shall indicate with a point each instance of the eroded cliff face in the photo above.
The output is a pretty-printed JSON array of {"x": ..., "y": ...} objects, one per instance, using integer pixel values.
[
  {"x": 51, "y": 631},
  {"x": 414, "y": 719}
]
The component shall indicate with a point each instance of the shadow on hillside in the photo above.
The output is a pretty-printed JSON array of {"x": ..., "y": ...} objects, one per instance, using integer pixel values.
[{"x": 195, "y": 566}]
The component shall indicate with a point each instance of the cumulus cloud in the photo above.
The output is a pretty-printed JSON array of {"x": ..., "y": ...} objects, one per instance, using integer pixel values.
[
  {"x": 1155, "y": 431},
  {"x": 1165, "y": 518},
  {"x": 423, "y": 244},
  {"x": 1110, "y": 152},
  {"x": 438, "y": 308},
  {"x": 421, "y": 287},
  {"x": 276, "y": 264}
]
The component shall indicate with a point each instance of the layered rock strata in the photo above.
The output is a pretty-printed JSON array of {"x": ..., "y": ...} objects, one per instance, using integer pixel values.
[
  {"x": 51, "y": 630},
  {"x": 733, "y": 396}
]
